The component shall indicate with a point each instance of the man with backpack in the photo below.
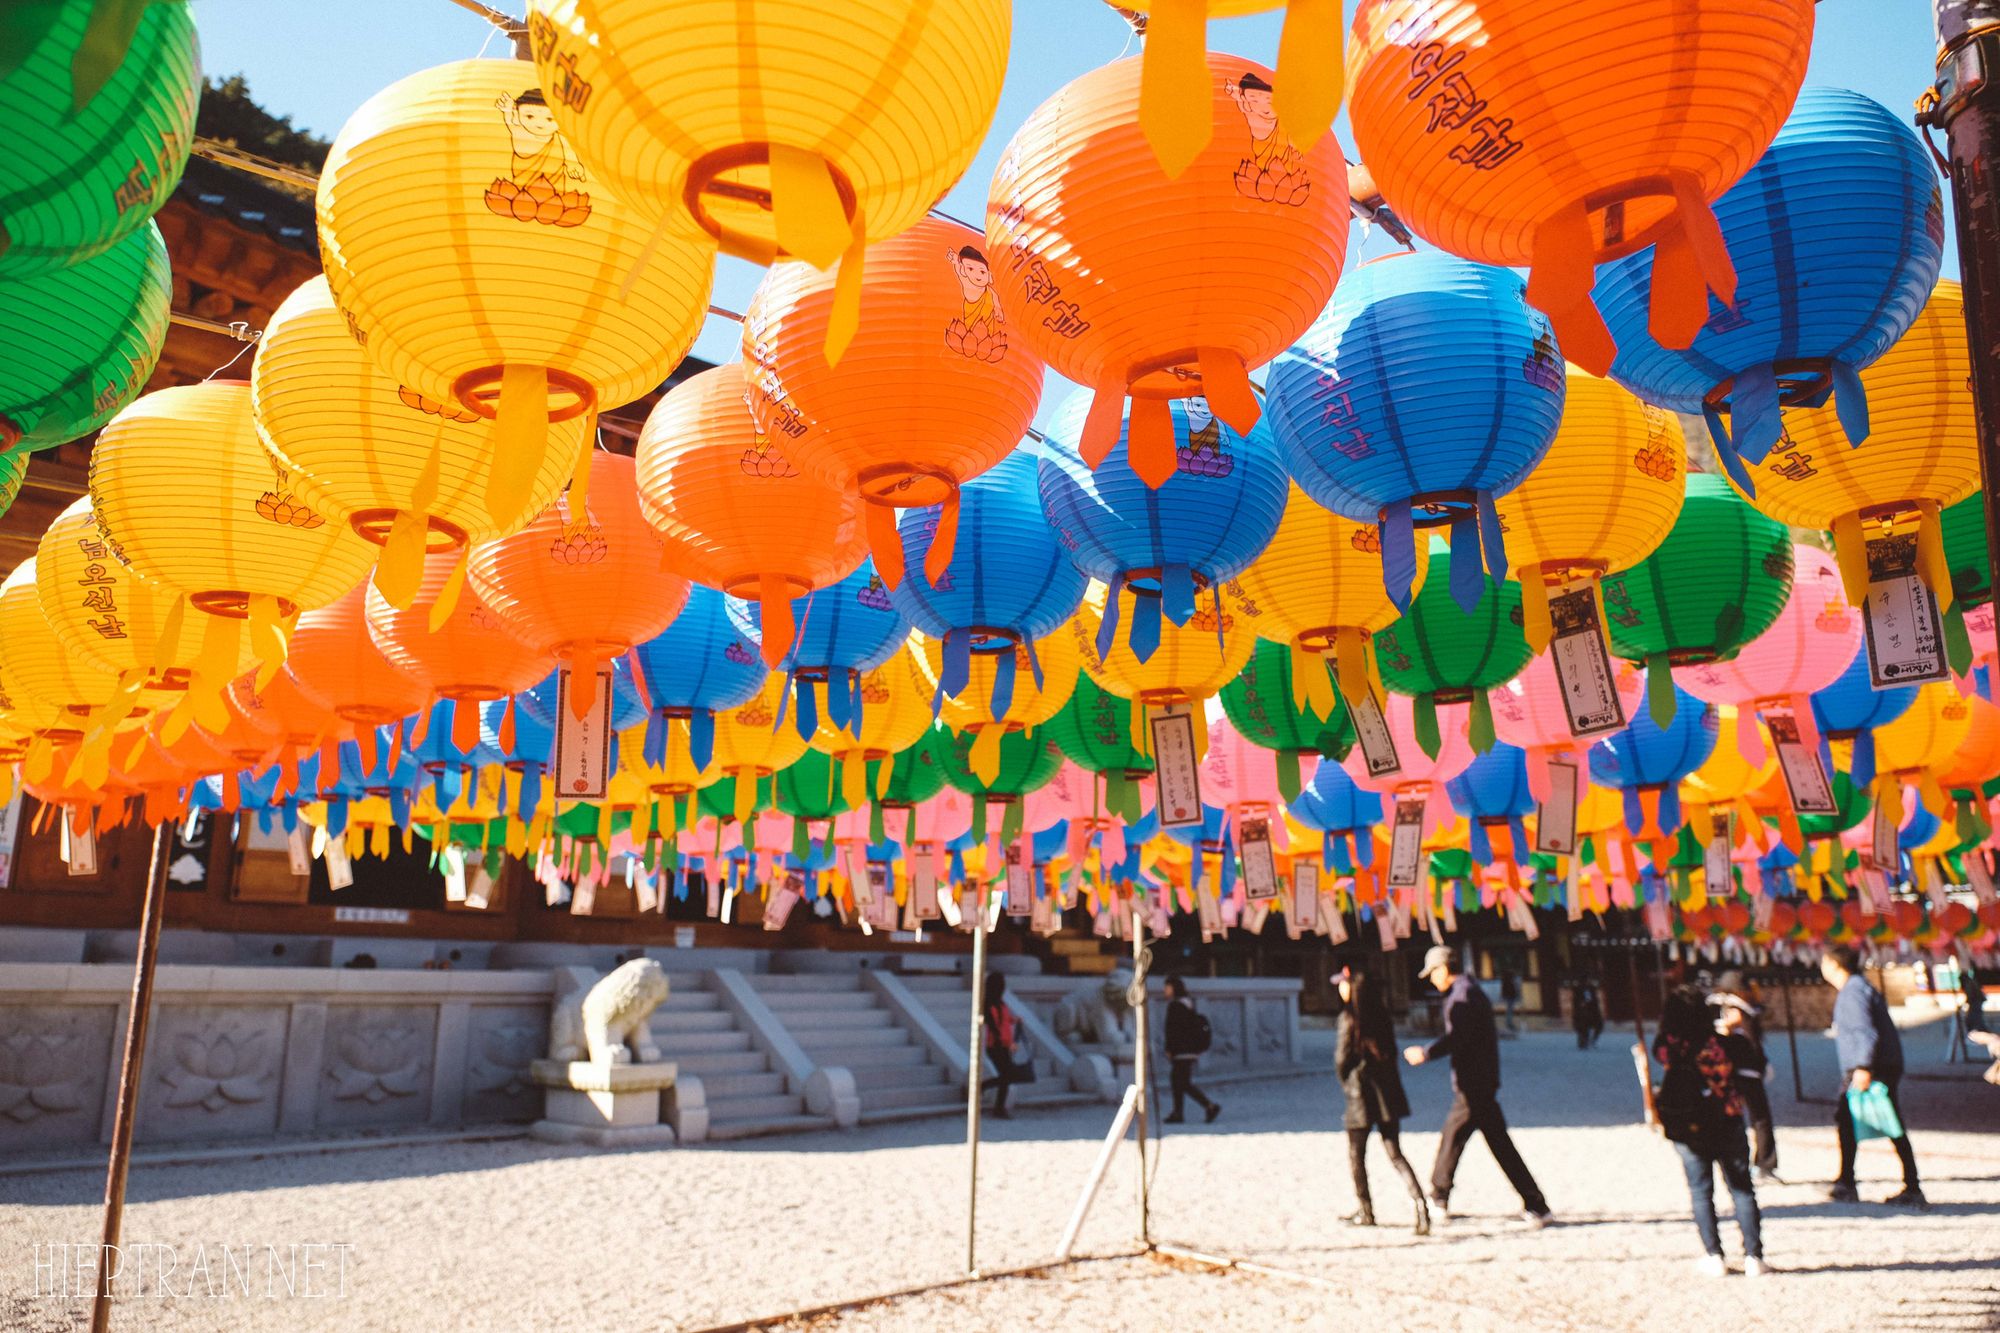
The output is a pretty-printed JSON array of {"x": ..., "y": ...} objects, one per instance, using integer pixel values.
[{"x": 1188, "y": 1035}]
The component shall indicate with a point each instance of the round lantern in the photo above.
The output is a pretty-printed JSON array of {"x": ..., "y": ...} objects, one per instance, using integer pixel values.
[
  {"x": 930, "y": 393},
  {"x": 82, "y": 340},
  {"x": 191, "y": 501},
  {"x": 1492, "y": 131},
  {"x": 1922, "y": 452},
  {"x": 1440, "y": 653},
  {"x": 1494, "y": 797},
  {"x": 1531, "y": 712},
  {"x": 1603, "y": 497},
  {"x": 581, "y": 586},
  {"x": 1318, "y": 586},
  {"x": 1021, "y": 702},
  {"x": 1806, "y": 648},
  {"x": 1717, "y": 581},
  {"x": 64, "y": 689},
  {"x": 1094, "y": 731},
  {"x": 1976, "y": 761},
  {"x": 1647, "y": 761},
  {"x": 1192, "y": 661},
  {"x": 407, "y": 472},
  {"x": 1427, "y": 388},
  {"x": 1836, "y": 234},
  {"x": 1965, "y": 552},
  {"x": 896, "y": 714},
  {"x": 1135, "y": 284},
  {"x": 843, "y": 630},
  {"x": 334, "y": 656},
  {"x": 1728, "y": 778},
  {"x": 698, "y": 666},
  {"x": 1269, "y": 706},
  {"x": 1851, "y": 708},
  {"x": 750, "y": 746},
  {"x": 467, "y": 658},
  {"x": 1008, "y": 582},
  {"x": 1420, "y": 773},
  {"x": 1925, "y": 740},
  {"x": 1026, "y": 763},
  {"x": 480, "y": 265},
  {"x": 1331, "y": 803},
  {"x": 102, "y": 102},
  {"x": 732, "y": 509},
  {"x": 1168, "y": 539},
  {"x": 298, "y": 716}
]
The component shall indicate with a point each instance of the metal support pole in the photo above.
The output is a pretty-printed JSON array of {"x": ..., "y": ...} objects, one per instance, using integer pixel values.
[
  {"x": 1966, "y": 103},
  {"x": 1119, "y": 1124},
  {"x": 1140, "y": 960},
  {"x": 975, "y": 1067},
  {"x": 1638, "y": 1017},
  {"x": 1792, "y": 1040},
  {"x": 143, "y": 968}
]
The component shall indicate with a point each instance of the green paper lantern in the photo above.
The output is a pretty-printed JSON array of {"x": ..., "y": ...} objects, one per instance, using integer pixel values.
[
  {"x": 1439, "y": 653},
  {"x": 1964, "y": 527},
  {"x": 13, "y": 471},
  {"x": 1259, "y": 705},
  {"x": 1027, "y": 762},
  {"x": 1094, "y": 732},
  {"x": 82, "y": 341},
  {"x": 1853, "y": 803},
  {"x": 718, "y": 799},
  {"x": 101, "y": 98},
  {"x": 914, "y": 774},
  {"x": 810, "y": 788},
  {"x": 1718, "y": 581}
]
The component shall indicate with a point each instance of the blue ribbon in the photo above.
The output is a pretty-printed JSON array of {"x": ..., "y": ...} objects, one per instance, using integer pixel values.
[
  {"x": 1003, "y": 683},
  {"x": 957, "y": 664},
  {"x": 1107, "y": 629},
  {"x": 1034, "y": 663},
  {"x": 1725, "y": 452},
  {"x": 1468, "y": 576},
  {"x": 1850, "y": 402},
  {"x": 1753, "y": 411},
  {"x": 1398, "y": 539},
  {"x": 655, "y": 748},
  {"x": 1144, "y": 637},
  {"x": 1492, "y": 537},
  {"x": 1861, "y": 770},
  {"x": 701, "y": 737},
  {"x": 1176, "y": 593}
]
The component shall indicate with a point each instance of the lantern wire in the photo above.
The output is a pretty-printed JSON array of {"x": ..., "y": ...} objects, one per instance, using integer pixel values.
[{"x": 229, "y": 155}]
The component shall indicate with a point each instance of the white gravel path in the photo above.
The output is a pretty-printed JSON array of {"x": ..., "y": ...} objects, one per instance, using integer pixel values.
[{"x": 519, "y": 1235}]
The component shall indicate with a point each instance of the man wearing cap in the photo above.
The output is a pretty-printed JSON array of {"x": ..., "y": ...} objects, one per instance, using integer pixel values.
[{"x": 1474, "y": 1048}]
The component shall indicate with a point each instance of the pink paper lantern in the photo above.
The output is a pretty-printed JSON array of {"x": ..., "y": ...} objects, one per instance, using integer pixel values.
[
  {"x": 1242, "y": 779},
  {"x": 1074, "y": 795},
  {"x": 1528, "y": 712},
  {"x": 1421, "y": 775}
]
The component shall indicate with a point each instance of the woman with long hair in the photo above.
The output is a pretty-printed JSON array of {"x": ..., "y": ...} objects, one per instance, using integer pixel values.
[
  {"x": 1700, "y": 1109},
  {"x": 1000, "y": 1032},
  {"x": 1365, "y": 1058}
]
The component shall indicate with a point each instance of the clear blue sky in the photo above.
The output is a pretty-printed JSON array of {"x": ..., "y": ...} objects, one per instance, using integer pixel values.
[{"x": 318, "y": 62}]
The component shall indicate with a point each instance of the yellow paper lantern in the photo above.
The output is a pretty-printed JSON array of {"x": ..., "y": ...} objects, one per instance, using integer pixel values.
[
  {"x": 192, "y": 501},
  {"x": 481, "y": 264},
  {"x": 1192, "y": 662},
  {"x": 1031, "y": 704},
  {"x": 1318, "y": 586},
  {"x": 749, "y": 744},
  {"x": 1924, "y": 740},
  {"x": 1921, "y": 453},
  {"x": 67, "y": 688},
  {"x": 792, "y": 128},
  {"x": 895, "y": 714},
  {"x": 1602, "y": 498},
  {"x": 407, "y": 472},
  {"x": 675, "y": 775}
]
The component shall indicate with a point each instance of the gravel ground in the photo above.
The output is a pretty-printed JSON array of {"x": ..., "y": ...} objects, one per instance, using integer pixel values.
[{"x": 520, "y": 1235}]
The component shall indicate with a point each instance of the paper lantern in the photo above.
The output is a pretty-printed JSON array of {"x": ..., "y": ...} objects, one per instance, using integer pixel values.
[
  {"x": 192, "y": 502},
  {"x": 1026, "y": 763},
  {"x": 1492, "y": 132},
  {"x": 895, "y": 716},
  {"x": 671, "y": 774},
  {"x": 406, "y": 472},
  {"x": 1494, "y": 797},
  {"x": 1851, "y": 708},
  {"x": 1007, "y": 585},
  {"x": 1976, "y": 761},
  {"x": 802, "y": 129},
  {"x": 1331, "y": 802},
  {"x": 64, "y": 690},
  {"x": 694, "y": 668},
  {"x": 750, "y": 745},
  {"x": 1245, "y": 780},
  {"x": 1836, "y": 234},
  {"x": 1924, "y": 741},
  {"x": 1421, "y": 773},
  {"x": 82, "y": 341},
  {"x": 1427, "y": 388},
  {"x": 1806, "y": 648},
  {"x": 300, "y": 716},
  {"x": 334, "y": 656},
  {"x": 581, "y": 587},
  {"x": 1965, "y": 551},
  {"x": 101, "y": 100},
  {"x": 1718, "y": 580},
  {"x": 1134, "y": 284},
  {"x": 936, "y": 387},
  {"x": 1922, "y": 452},
  {"x": 1647, "y": 760},
  {"x": 1603, "y": 497},
  {"x": 1094, "y": 731},
  {"x": 482, "y": 266},
  {"x": 1168, "y": 539},
  {"x": 844, "y": 630},
  {"x": 1440, "y": 653},
  {"x": 1027, "y": 702},
  {"x": 1269, "y": 706},
  {"x": 732, "y": 509},
  {"x": 1728, "y": 777},
  {"x": 1192, "y": 662},
  {"x": 468, "y": 658}
]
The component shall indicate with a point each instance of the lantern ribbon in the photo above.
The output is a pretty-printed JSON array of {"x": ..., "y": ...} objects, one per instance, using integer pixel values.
[
  {"x": 1481, "y": 724},
  {"x": 448, "y": 595},
  {"x": 399, "y": 570},
  {"x": 1003, "y": 684},
  {"x": 520, "y": 439},
  {"x": 1151, "y": 444},
  {"x": 1660, "y": 690},
  {"x": 1176, "y": 105},
  {"x": 1144, "y": 636},
  {"x": 1310, "y": 70},
  {"x": 944, "y": 539},
  {"x": 1396, "y": 533},
  {"x": 1425, "y": 720},
  {"x": 1468, "y": 574}
]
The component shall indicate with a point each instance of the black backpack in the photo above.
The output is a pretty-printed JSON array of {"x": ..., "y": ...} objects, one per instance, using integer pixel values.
[{"x": 1200, "y": 1033}]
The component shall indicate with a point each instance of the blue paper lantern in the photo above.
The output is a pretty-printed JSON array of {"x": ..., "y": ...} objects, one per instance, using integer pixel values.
[
  {"x": 1428, "y": 386},
  {"x": 1214, "y": 515},
  {"x": 1851, "y": 708},
  {"x": 1332, "y": 803},
  {"x": 699, "y": 666},
  {"x": 538, "y": 701},
  {"x": 1009, "y": 581},
  {"x": 844, "y": 631},
  {"x": 1646, "y": 760},
  {"x": 1837, "y": 235},
  {"x": 1493, "y": 789}
]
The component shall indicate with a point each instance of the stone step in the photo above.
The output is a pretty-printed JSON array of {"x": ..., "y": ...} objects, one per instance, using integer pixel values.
[
  {"x": 816, "y": 1038},
  {"x": 761, "y": 1106},
  {"x": 838, "y": 1001},
  {"x": 1093, "y": 965},
  {"x": 857, "y": 1059},
  {"x": 683, "y": 1000},
  {"x": 935, "y": 981},
  {"x": 762, "y": 1125},
  {"x": 760, "y": 1084},
  {"x": 897, "y": 1076},
  {"x": 691, "y": 1020},
  {"x": 806, "y": 981},
  {"x": 682, "y": 1043},
  {"x": 709, "y": 1064},
  {"x": 892, "y": 1099},
  {"x": 1074, "y": 944},
  {"x": 847, "y": 1020}
]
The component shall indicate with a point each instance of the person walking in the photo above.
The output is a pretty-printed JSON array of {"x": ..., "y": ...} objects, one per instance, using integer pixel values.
[
  {"x": 1699, "y": 1107},
  {"x": 1187, "y": 1038},
  {"x": 1510, "y": 997},
  {"x": 1738, "y": 1014},
  {"x": 1586, "y": 1013},
  {"x": 1474, "y": 1048},
  {"x": 1000, "y": 1031},
  {"x": 1972, "y": 984},
  {"x": 1364, "y": 1056},
  {"x": 1871, "y": 1052}
]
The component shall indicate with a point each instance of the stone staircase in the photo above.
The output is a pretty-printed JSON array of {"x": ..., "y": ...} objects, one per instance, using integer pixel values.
[
  {"x": 1081, "y": 953},
  {"x": 839, "y": 1021},
  {"x": 745, "y": 1095},
  {"x": 949, "y": 1000}
]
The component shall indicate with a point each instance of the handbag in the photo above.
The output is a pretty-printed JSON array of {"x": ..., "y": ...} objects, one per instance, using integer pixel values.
[
  {"x": 1873, "y": 1114},
  {"x": 1024, "y": 1065}
]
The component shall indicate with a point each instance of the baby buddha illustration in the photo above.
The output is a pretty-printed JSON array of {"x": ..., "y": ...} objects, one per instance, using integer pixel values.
[
  {"x": 978, "y": 330},
  {"x": 541, "y": 174},
  {"x": 1202, "y": 454},
  {"x": 1274, "y": 171}
]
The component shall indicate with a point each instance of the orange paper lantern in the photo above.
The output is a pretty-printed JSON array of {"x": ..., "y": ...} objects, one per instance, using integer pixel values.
[
  {"x": 333, "y": 656},
  {"x": 470, "y": 657}
]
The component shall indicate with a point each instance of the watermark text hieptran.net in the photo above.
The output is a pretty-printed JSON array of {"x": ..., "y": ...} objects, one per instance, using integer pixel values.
[{"x": 156, "y": 1270}]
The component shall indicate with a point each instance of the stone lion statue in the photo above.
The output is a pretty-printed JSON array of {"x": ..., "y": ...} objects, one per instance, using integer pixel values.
[
  {"x": 1096, "y": 1011},
  {"x": 604, "y": 1020}
]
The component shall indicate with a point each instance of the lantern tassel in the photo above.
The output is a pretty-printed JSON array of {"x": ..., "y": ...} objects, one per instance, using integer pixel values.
[
  {"x": 1559, "y": 281},
  {"x": 943, "y": 541},
  {"x": 1225, "y": 382},
  {"x": 885, "y": 543},
  {"x": 1932, "y": 566},
  {"x": 1678, "y": 299},
  {"x": 448, "y": 595},
  {"x": 1850, "y": 402},
  {"x": 774, "y": 605},
  {"x": 464, "y": 726},
  {"x": 1536, "y": 626},
  {"x": 1660, "y": 690},
  {"x": 844, "y": 316},
  {"x": 1397, "y": 536},
  {"x": 1175, "y": 104},
  {"x": 1151, "y": 446},
  {"x": 1850, "y": 552},
  {"x": 806, "y": 213},
  {"x": 1104, "y": 421},
  {"x": 1311, "y": 70},
  {"x": 505, "y": 732},
  {"x": 399, "y": 570},
  {"x": 520, "y": 439}
]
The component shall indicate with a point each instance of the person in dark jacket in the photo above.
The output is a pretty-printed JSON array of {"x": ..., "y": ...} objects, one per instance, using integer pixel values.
[
  {"x": 1737, "y": 1013},
  {"x": 1870, "y": 1052},
  {"x": 1586, "y": 1013},
  {"x": 1474, "y": 1048},
  {"x": 1185, "y": 1043},
  {"x": 1364, "y": 1055},
  {"x": 1700, "y": 1110},
  {"x": 1000, "y": 1033}
]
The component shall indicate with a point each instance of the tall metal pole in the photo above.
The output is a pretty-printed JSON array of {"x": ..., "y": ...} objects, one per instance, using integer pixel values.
[
  {"x": 975, "y": 1066},
  {"x": 1965, "y": 103},
  {"x": 1792, "y": 1039},
  {"x": 1140, "y": 960},
  {"x": 143, "y": 969}
]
